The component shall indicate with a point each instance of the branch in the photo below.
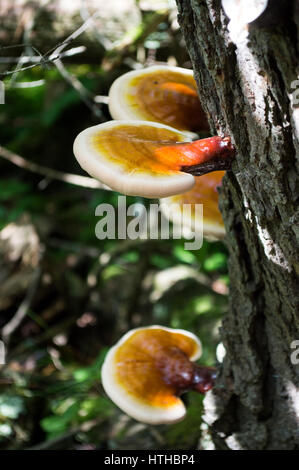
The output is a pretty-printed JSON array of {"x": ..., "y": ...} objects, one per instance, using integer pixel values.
[
  {"x": 21, "y": 312},
  {"x": 39, "y": 59},
  {"x": 84, "y": 94},
  {"x": 75, "y": 34},
  {"x": 77, "y": 180},
  {"x": 46, "y": 58}
]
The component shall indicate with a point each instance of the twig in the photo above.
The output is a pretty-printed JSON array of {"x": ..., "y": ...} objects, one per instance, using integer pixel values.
[
  {"x": 85, "y": 15},
  {"x": 21, "y": 313},
  {"x": 131, "y": 40},
  {"x": 14, "y": 46},
  {"x": 42, "y": 61},
  {"x": 85, "y": 94},
  {"x": 50, "y": 56},
  {"x": 22, "y": 69},
  {"x": 101, "y": 99},
  {"x": 77, "y": 180},
  {"x": 32, "y": 84},
  {"x": 75, "y": 34},
  {"x": 55, "y": 57},
  {"x": 43, "y": 338},
  {"x": 39, "y": 59},
  {"x": 27, "y": 32},
  {"x": 59, "y": 442}
]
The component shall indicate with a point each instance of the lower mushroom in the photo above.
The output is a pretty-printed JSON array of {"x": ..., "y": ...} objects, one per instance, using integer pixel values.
[
  {"x": 149, "y": 368},
  {"x": 203, "y": 192}
]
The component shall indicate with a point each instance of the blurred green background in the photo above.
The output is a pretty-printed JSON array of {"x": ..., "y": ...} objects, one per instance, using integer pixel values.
[{"x": 77, "y": 295}]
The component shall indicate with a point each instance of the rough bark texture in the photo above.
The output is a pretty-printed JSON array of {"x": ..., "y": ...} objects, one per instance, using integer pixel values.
[{"x": 247, "y": 91}]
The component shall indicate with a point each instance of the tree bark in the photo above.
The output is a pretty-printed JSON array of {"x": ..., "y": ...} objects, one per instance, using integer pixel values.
[{"x": 248, "y": 91}]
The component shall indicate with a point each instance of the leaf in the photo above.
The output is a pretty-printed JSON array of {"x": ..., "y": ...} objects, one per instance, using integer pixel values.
[
  {"x": 183, "y": 255},
  {"x": 215, "y": 262},
  {"x": 93, "y": 371},
  {"x": 58, "y": 423},
  {"x": 160, "y": 262},
  {"x": 94, "y": 407}
]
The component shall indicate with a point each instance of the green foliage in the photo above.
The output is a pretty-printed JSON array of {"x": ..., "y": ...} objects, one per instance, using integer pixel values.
[
  {"x": 183, "y": 255},
  {"x": 10, "y": 406},
  {"x": 185, "y": 434},
  {"x": 80, "y": 405},
  {"x": 65, "y": 414},
  {"x": 91, "y": 373},
  {"x": 215, "y": 262}
]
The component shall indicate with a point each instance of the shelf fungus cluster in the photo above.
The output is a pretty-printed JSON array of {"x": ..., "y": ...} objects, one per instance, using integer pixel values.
[
  {"x": 148, "y": 150},
  {"x": 145, "y": 373}
]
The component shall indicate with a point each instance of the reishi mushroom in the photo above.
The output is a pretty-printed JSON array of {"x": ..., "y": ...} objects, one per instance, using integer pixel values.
[
  {"x": 149, "y": 368},
  {"x": 141, "y": 158},
  {"x": 168, "y": 95},
  {"x": 161, "y": 93},
  {"x": 203, "y": 192}
]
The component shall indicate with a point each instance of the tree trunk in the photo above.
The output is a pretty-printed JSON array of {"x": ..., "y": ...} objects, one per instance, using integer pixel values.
[{"x": 249, "y": 93}]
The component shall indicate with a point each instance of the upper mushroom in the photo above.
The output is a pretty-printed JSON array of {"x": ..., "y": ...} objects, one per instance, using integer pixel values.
[
  {"x": 158, "y": 94},
  {"x": 147, "y": 370},
  {"x": 148, "y": 159}
]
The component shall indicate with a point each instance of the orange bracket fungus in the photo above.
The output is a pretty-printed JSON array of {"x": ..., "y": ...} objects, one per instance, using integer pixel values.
[
  {"x": 145, "y": 373},
  {"x": 203, "y": 192},
  {"x": 159, "y": 94},
  {"x": 150, "y": 159}
]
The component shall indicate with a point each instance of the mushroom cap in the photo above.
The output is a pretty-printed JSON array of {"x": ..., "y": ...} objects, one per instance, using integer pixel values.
[
  {"x": 203, "y": 192},
  {"x": 122, "y": 155},
  {"x": 132, "y": 379},
  {"x": 158, "y": 94}
]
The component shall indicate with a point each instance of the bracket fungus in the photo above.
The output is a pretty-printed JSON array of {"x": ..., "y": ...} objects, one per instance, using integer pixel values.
[
  {"x": 149, "y": 368},
  {"x": 203, "y": 192},
  {"x": 141, "y": 158},
  {"x": 158, "y": 94}
]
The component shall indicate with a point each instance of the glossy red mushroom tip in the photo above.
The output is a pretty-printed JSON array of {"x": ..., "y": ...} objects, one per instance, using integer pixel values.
[
  {"x": 217, "y": 155},
  {"x": 204, "y": 378}
]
